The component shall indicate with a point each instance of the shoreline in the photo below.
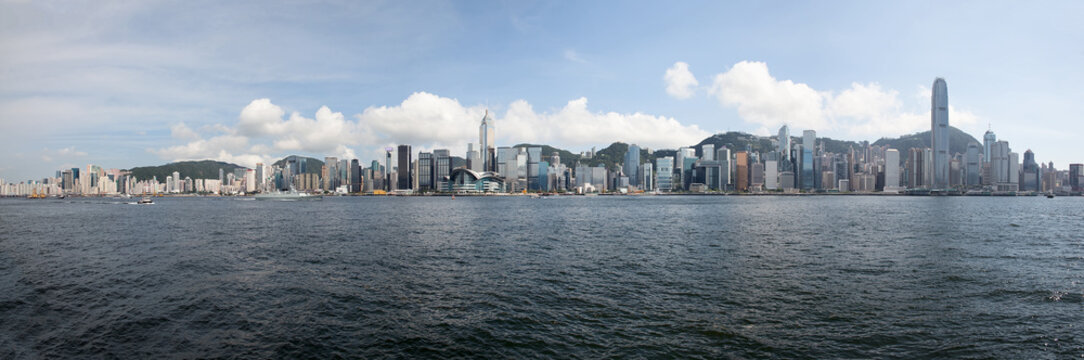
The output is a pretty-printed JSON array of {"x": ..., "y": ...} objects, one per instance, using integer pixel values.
[{"x": 535, "y": 195}]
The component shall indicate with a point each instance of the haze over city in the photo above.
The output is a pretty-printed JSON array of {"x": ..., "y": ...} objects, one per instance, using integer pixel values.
[{"x": 132, "y": 84}]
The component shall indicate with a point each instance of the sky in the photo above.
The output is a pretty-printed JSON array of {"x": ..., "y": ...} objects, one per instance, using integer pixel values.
[{"x": 137, "y": 83}]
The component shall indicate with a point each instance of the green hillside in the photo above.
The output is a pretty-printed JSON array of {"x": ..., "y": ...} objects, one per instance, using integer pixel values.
[
  {"x": 737, "y": 141},
  {"x": 312, "y": 165},
  {"x": 958, "y": 141},
  {"x": 204, "y": 169}
]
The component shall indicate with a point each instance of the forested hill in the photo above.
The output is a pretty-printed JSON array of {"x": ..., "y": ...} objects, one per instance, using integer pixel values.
[{"x": 204, "y": 169}]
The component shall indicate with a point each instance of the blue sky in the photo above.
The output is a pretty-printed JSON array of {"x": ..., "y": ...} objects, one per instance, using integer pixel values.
[{"x": 123, "y": 84}]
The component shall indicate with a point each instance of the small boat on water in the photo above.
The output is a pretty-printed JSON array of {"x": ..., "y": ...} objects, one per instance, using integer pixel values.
[
  {"x": 146, "y": 200},
  {"x": 1049, "y": 195}
]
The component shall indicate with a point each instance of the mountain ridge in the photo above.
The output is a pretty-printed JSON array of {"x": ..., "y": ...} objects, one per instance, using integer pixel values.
[{"x": 609, "y": 156}]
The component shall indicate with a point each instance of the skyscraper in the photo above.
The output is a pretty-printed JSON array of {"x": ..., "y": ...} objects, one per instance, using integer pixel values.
[
  {"x": 442, "y": 166},
  {"x": 485, "y": 142},
  {"x": 1029, "y": 177},
  {"x": 988, "y": 140},
  {"x": 742, "y": 165},
  {"x": 405, "y": 179},
  {"x": 355, "y": 176},
  {"x": 664, "y": 173},
  {"x": 534, "y": 157},
  {"x": 939, "y": 134},
  {"x": 784, "y": 147},
  {"x": 1076, "y": 171},
  {"x": 973, "y": 165},
  {"x": 809, "y": 138},
  {"x": 725, "y": 165},
  {"x": 632, "y": 165},
  {"x": 892, "y": 170},
  {"x": 425, "y": 171}
]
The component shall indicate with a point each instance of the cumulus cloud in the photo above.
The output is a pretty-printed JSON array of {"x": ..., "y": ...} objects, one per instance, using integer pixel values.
[
  {"x": 860, "y": 110},
  {"x": 575, "y": 125},
  {"x": 183, "y": 132},
  {"x": 763, "y": 100},
  {"x": 423, "y": 120},
  {"x": 261, "y": 117},
  {"x": 680, "y": 82},
  {"x": 48, "y": 155}
]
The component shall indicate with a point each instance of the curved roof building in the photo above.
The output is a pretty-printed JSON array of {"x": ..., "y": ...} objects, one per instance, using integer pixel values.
[{"x": 467, "y": 180}]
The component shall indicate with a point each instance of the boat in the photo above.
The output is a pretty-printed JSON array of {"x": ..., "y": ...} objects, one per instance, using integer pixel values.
[
  {"x": 1050, "y": 195},
  {"x": 288, "y": 196},
  {"x": 146, "y": 200},
  {"x": 36, "y": 195}
]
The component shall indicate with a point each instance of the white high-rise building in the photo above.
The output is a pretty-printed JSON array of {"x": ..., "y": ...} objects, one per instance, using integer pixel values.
[
  {"x": 892, "y": 171},
  {"x": 939, "y": 133},
  {"x": 771, "y": 175},
  {"x": 485, "y": 139}
]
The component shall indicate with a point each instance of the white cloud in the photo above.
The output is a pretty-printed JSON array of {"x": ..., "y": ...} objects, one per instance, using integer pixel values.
[
  {"x": 425, "y": 121},
  {"x": 861, "y": 110},
  {"x": 183, "y": 132},
  {"x": 680, "y": 82},
  {"x": 763, "y": 100},
  {"x": 261, "y": 117},
  {"x": 70, "y": 151},
  {"x": 575, "y": 125},
  {"x": 49, "y": 156}
]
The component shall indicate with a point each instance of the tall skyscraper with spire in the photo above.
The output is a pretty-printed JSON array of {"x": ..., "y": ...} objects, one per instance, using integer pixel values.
[
  {"x": 784, "y": 149},
  {"x": 939, "y": 134},
  {"x": 485, "y": 142}
]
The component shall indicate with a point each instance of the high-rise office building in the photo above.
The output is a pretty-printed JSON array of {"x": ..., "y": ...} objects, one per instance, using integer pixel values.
[
  {"x": 485, "y": 141},
  {"x": 647, "y": 182},
  {"x": 726, "y": 168},
  {"x": 973, "y": 168},
  {"x": 425, "y": 171},
  {"x": 809, "y": 138},
  {"x": 1076, "y": 171},
  {"x": 442, "y": 166},
  {"x": 771, "y": 175},
  {"x": 939, "y": 133},
  {"x": 534, "y": 157},
  {"x": 664, "y": 173},
  {"x": 707, "y": 152},
  {"x": 355, "y": 176},
  {"x": 387, "y": 168},
  {"x": 784, "y": 147},
  {"x": 916, "y": 168},
  {"x": 999, "y": 162},
  {"x": 632, "y": 165},
  {"x": 405, "y": 180},
  {"x": 742, "y": 165},
  {"x": 331, "y": 179},
  {"x": 988, "y": 140},
  {"x": 1029, "y": 175},
  {"x": 892, "y": 170},
  {"x": 543, "y": 176}
]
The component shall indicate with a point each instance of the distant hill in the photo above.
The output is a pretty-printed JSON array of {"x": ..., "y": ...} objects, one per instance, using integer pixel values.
[
  {"x": 312, "y": 165},
  {"x": 204, "y": 169},
  {"x": 610, "y": 156},
  {"x": 614, "y": 154},
  {"x": 958, "y": 141},
  {"x": 736, "y": 141},
  {"x": 567, "y": 157}
]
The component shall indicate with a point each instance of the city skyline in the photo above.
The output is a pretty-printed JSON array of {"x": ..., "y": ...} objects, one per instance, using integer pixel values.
[{"x": 119, "y": 90}]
